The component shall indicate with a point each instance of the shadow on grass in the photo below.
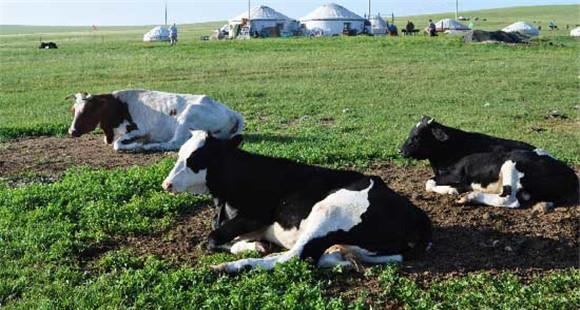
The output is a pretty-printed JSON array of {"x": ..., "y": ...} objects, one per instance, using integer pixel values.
[{"x": 465, "y": 249}]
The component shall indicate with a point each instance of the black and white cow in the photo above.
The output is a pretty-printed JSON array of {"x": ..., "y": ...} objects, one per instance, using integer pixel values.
[
  {"x": 47, "y": 45},
  {"x": 492, "y": 171},
  {"x": 509, "y": 179},
  {"x": 136, "y": 120},
  {"x": 305, "y": 209}
]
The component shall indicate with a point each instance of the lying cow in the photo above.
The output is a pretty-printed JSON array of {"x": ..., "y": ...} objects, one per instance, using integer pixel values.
[
  {"x": 47, "y": 45},
  {"x": 303, "y": 208},
  {"x": 136, "y": 120},
  {"x": 509, "y": 179},
  {"x": 492, "y": 171}
]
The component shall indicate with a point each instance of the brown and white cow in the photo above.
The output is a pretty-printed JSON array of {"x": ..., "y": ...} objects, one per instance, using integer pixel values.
[{"x": 145, "y": 120}]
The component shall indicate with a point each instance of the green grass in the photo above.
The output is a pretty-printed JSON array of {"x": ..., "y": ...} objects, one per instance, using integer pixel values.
[{"x": 330, "y": 101}]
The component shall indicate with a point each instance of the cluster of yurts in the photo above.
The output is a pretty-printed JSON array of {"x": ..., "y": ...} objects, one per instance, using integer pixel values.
[{"x": 327, "y": 20}]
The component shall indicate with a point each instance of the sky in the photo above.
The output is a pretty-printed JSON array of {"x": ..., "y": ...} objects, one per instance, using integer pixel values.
[{"x": 149, "y": 12}]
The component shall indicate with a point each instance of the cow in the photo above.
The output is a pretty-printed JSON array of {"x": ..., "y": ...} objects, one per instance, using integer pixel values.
[
  {"x": 509, "y": 179},
  {"x": 492, "y": 171},
  {"x": 316, "y": 213},
  {"x": 47, "y": 45},
  {"x": 444, "y": 146},
  {"x": 144, "y": 120}
]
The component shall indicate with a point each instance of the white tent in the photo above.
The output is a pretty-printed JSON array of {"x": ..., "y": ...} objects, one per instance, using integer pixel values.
[
  {"x": 158, "y": 33},
  {"x": 378, "y": 25},
  {"x": 331, "y": 19},
  {"x": 261, "y": 18},
  {"x": 575, "y": 32},
  {"x": 523, "y": 28},
  {"x": 450, "y": 24}
]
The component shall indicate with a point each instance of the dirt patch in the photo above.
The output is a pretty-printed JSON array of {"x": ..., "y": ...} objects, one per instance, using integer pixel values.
[
  {"x": 49, "y": 157},
  {"x": 183, "y": 243}
]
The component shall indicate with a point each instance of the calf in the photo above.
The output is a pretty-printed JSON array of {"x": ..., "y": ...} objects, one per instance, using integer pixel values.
[
  {"x": 509, "y": 179},
  {"x": 305, "y": 209},
  {"x": 135, "y": 120},
  {"x": 444, "y": 146},
  {"x": 500, "y": 172}
]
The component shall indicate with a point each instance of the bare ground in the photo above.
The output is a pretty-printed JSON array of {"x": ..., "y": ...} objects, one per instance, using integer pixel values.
[
  {"x": 46, "y": 158},
  {"x": 466, "y": 239}
]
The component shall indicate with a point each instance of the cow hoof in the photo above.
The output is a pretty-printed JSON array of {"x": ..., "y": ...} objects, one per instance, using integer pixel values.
[
  {"x": 262, "y": 248},
  {"x": 219, "y": 268},
  {"x": 462, "y": 200},
  {"x": 430, "y": 185}
]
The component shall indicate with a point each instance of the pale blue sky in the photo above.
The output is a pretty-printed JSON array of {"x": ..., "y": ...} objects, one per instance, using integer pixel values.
[{"x": 146, "y": 12}]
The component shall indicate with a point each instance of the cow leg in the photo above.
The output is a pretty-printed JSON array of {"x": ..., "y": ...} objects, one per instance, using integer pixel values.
[
  {"x": 130, "y": 141},
  {"x": 231, "y": 229},
  {"x": 350, "y": 256},
  {"x": 246, "y": 246},
  {"x": 432, "y": 186},
  {"x": 180, "y": 136},
  {"x": 510, "y": 180}
]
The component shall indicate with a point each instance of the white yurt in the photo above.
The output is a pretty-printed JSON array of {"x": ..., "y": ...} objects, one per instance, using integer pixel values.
[
  {"x": 158, "y": 33},
  {"x": 575, "y": 32},
  {"x": 378, "y": 25},
  {"x": 523, "y": 28},
  {"x": 331, "y": 19},
  {"x": 450, "y": 24},
  {"x": 264, "y": 20}
]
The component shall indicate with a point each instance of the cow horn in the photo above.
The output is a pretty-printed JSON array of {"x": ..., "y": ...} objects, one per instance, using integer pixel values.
[{"x": 69, "y": 96}]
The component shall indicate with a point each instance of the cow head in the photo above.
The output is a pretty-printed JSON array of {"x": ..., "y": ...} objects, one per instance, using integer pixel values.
[
  {"x": 425, "y": 138},
  {"x": 87, "y": 114},
  {"x": 195, "y": 156}
]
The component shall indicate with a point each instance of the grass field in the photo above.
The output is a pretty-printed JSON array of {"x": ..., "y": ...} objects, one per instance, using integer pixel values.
[{"x": 330, "y": 101}]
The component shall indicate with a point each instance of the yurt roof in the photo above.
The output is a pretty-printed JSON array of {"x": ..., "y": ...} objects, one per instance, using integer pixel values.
[
  {"x": 331, "y": 11},
  {"x": 449, "y": 23},
  {"x": 262, "y": 12},
  {"x": 522, "y": 27}
]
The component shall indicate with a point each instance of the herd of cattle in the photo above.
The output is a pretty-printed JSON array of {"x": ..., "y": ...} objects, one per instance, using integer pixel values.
[{"x": 334, "y": 217}]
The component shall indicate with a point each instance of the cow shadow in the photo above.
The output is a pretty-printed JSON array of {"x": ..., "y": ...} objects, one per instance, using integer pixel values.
[
  {"x": 278, "y": 139},
  {"x": 465, "y": 249}
]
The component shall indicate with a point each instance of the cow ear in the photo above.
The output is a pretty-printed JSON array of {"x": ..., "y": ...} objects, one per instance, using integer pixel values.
[
  {"x": 427, "y": 119},
  {"x": 440, "y": 134},
  {"x": 236, "y": 140}
]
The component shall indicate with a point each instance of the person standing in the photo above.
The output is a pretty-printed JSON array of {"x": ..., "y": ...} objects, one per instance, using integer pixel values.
[
  {"x": 432, "y": 29},
  {"x": 173, "y": 34}
]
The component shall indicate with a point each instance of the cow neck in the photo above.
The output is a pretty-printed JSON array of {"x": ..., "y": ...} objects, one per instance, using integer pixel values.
[
  {"x": 114, "y": 113},
  {"x": 216, "y": 168}
]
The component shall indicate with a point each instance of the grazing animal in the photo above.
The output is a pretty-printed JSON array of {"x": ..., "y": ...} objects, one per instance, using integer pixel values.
[
  {"x": 509, "y": 179},
  {"x": 494, "y": 171},
  {"x": 305, "y": 209},
  {"x": 444, "y": 146},
  {"x": 47, "y": 45},
  {"x": 144, "y": 120}
]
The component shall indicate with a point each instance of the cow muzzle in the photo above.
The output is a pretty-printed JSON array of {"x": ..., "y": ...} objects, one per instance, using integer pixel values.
[
  {"x": 167, "y": 186},
  {"x": 74, "y": 133}
]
